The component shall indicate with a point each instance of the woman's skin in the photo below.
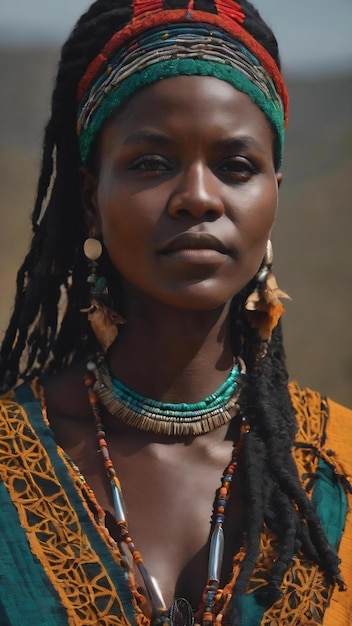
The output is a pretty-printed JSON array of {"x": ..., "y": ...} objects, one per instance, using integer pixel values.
[{"x": 184, "y": 200}]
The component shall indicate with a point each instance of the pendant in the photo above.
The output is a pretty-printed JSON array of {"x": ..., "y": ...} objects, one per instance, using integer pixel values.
[{"x": 181, "y": 613}]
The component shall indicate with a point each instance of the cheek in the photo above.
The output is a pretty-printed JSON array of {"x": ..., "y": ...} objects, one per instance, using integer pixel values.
[
  {"x": 113, "y": 219},
  {"x": 255, "y": 209},
  {"x": 127, "y": 223},
  {"x": 254, "y": 221},
  {"x": 264, "y": 212}
]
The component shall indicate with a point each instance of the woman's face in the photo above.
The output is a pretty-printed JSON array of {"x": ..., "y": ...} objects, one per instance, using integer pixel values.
[{"x": 186, "y": 193}]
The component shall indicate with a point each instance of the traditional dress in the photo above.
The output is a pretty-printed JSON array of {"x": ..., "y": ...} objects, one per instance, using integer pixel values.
[{"x": 59, "y": 567}]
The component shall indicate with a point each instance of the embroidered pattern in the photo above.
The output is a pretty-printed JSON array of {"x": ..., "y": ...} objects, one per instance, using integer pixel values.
[
  {"x": 306, "y": 592},
  {"x": 53, "y": 529}
]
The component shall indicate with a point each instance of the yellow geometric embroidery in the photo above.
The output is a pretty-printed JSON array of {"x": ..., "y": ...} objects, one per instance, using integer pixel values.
[
  {"x": 305, "y": 589},
  {"x": 53, "y": 530}
]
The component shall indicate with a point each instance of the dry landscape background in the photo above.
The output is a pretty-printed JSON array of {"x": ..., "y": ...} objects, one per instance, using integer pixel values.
[{"x": 312, "y": 240}]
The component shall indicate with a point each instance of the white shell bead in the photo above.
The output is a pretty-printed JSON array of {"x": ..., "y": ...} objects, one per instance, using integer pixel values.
[{"x": 92, "y": 248}]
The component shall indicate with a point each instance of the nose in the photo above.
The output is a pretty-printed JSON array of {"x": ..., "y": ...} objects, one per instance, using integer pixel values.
[{"x": 197, "y": 195}]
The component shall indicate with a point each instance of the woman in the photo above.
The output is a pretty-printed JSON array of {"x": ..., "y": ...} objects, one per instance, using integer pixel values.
[{"x": 217, "y": 495}]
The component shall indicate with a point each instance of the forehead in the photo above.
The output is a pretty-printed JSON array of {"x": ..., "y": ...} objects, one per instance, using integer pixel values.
[{"x": 189, "y": 105}]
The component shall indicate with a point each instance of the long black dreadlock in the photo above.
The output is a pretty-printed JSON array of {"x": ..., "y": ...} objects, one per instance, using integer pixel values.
[{"x": 47, "y": 332}]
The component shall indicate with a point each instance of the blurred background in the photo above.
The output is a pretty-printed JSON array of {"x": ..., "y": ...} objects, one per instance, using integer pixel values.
[{"x": 312, "y": 239}]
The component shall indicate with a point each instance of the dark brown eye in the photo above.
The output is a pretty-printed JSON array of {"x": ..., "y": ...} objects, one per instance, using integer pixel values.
[
  {"x": 151, "y": 163},
  {"x": 238, "y": 169}
]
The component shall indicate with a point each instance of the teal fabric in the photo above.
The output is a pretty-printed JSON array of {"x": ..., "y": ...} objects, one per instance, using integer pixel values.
[
  {"x": 22, "y": 575},
  {"x": 330, "y": 501},
  {"x": 32, "y": 407},
  {"x": 251, "y": 611}
]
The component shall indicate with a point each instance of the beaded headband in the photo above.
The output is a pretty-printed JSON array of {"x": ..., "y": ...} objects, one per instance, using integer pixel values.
[{"x": 160, "y": 44}]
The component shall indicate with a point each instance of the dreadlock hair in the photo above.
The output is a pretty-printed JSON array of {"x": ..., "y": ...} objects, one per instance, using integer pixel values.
[{"x": 47, "y": 331}]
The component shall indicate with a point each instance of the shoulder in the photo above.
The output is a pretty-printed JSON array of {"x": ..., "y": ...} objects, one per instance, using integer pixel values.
[
  {"x": 63, "y": 394},
  {"x": 339, "y": 434},
  {"x": 324, "y": 428},
  {"x": 324, "y": 424},
  {"x": 20, "y": 410},
  {"x": 10, "y": 407}
]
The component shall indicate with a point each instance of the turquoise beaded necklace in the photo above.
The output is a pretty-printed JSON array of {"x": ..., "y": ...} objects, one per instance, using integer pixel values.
[
  {"x": 167, "y": 418},
  {"x": 140, "y": 404}
]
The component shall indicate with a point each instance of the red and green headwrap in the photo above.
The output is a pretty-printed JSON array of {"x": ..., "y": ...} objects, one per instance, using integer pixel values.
[{"x": 160, "y": 44}]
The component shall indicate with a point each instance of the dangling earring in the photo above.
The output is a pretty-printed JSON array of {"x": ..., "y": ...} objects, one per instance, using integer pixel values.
[
  {"x": 104, "y": 320},
  {"x": 263, "y": 305},
  {"x": 92, "y": 249}
]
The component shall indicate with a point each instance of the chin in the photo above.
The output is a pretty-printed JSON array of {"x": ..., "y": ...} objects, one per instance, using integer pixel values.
[{"x": 203, "y": 296}]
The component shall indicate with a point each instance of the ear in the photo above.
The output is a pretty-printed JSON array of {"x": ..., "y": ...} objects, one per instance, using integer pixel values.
[
  {"x": 89, "y": 187},
  {"x": 279, "y": 178}
]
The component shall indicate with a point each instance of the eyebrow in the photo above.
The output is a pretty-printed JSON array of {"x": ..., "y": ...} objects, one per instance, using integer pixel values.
[
  {"x": 143, "y": 136},
  {"x": 240, "y": 141},
  {"x": 156, "y": 137}
]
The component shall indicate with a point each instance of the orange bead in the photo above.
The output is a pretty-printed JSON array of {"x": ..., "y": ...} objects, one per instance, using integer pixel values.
[
  {"x": 92, "y": 396},
  {"x": 137, "y": 557}
]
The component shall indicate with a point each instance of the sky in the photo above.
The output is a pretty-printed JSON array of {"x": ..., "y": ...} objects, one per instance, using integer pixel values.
[{"x": 314, "y": 35}]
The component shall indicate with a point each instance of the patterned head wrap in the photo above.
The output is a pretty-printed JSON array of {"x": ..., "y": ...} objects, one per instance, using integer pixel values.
[{"x": 160, "y": 43}]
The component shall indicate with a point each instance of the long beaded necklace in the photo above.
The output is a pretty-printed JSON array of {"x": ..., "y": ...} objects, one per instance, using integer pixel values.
[{"x": 180, "y": 613}]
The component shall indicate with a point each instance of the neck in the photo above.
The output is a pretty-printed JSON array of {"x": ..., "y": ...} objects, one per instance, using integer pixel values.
[{"x": 172, "y": 355}]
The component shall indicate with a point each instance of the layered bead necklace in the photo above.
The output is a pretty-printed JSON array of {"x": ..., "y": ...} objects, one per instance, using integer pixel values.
[
  {"x": 173, "y": 419},
  {"x": 166, "y": 418}
]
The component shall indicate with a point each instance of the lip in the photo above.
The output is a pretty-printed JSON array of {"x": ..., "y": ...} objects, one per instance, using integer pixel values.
[{"x": 190, "y": 243}]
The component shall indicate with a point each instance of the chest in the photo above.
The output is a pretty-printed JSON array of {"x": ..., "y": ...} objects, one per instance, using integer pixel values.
[{"x": 169, "y": 494}]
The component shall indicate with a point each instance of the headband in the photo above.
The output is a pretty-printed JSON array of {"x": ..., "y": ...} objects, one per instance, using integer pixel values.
[{"x": 161, "y": 44}]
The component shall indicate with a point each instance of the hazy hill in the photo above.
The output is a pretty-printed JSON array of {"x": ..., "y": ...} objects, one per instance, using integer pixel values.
[{"x": 313, "y": 233}]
